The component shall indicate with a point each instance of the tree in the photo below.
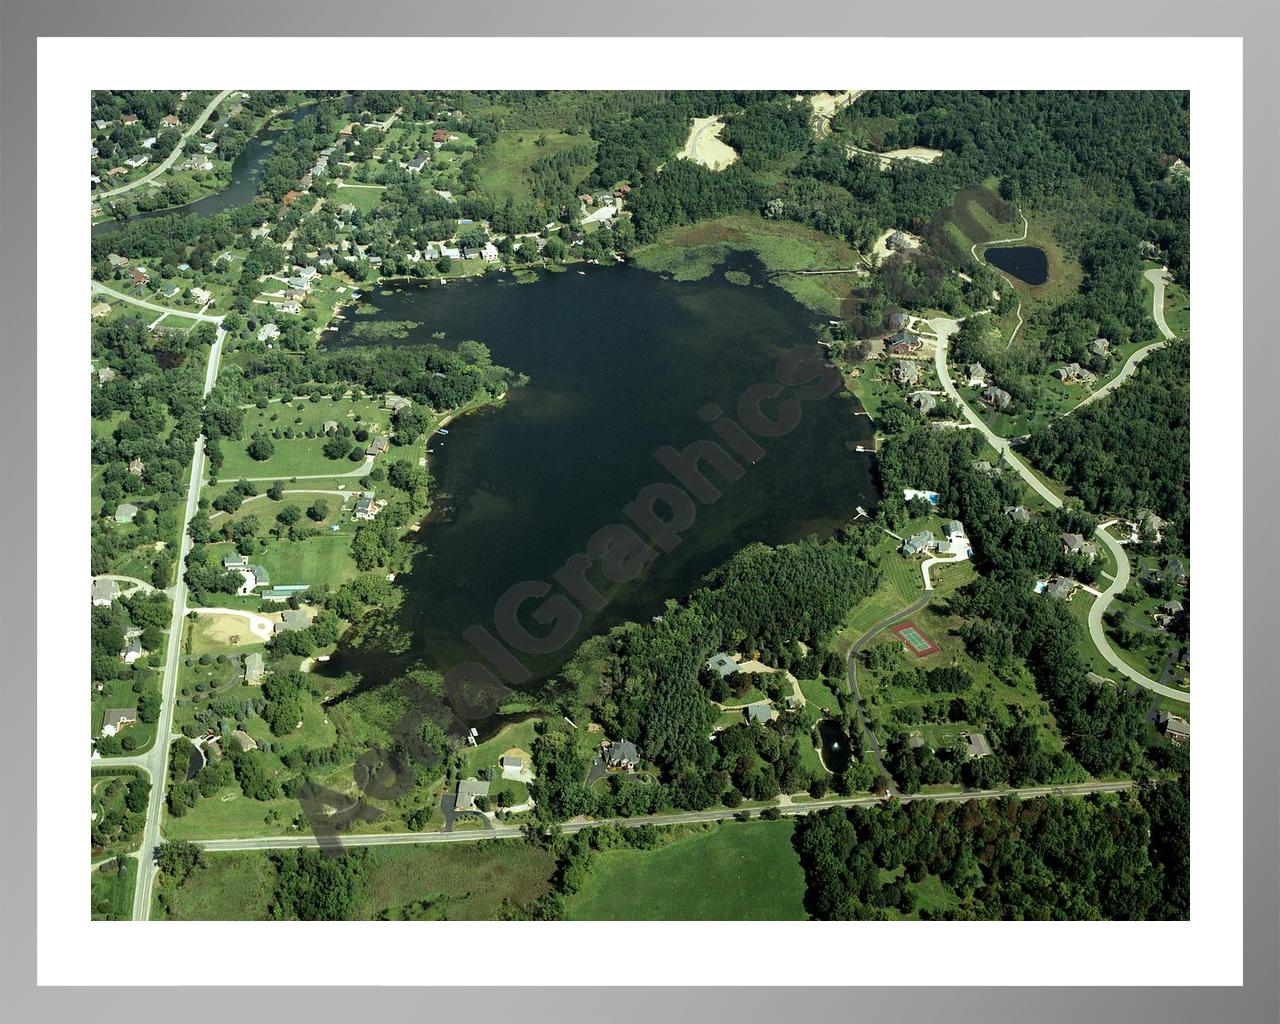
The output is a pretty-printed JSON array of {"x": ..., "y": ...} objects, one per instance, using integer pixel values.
[
  {"x": 289, "y": 515},
  {"x": 260, "y": 449},
  {"x": 178, "y": 859},
  {"x": 319, "y": 510}
]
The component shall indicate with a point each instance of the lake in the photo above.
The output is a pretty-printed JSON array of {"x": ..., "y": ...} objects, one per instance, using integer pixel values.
[
  {"x": 246, "y": 171},
  {"x": 1028, "y": 263},
  {"x": 620, "y": 362}
]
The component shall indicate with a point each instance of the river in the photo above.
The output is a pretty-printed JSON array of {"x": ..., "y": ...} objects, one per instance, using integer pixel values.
[{"x": 620, "y": 361}]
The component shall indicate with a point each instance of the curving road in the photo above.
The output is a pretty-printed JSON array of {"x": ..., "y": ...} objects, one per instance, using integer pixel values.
[
  {"x": 1158, "y": 278},
  {"x": 98, "y": 288},
  {"x": 689, "y": 817},
  {"x": 196, "y": 125}
]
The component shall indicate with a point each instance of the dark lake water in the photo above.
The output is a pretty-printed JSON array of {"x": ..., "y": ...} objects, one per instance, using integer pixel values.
[
  {"x": 834, "y": 745},
  {"x": 620, "y": 362},
  {"x": 1025, "y": 262},
  {"x": 246, "y": 171}
]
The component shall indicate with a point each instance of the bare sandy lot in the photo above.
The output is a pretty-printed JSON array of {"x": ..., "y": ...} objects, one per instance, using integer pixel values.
[
  {"x": 825, "y": 105},
  {"x": 917, "y": 153},
  {"x": 703, "y": 146},
  {"x": 228, "y": 627}
]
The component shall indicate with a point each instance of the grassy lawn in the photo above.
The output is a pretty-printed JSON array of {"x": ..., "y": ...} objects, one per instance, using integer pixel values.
[
  {"x": 461, "y": 883},
  {"x": 692, "y": 253},
  {"x": 111, "y": 891},
  {"x": 519, "y": 734},
  {"x": 232, "y": 886},
  {"x": 364, "y": 198},
  {"x": 506, "y": 168},
  {"x": 301, "y": 455},
  {"x": 321, "y": 559},
  {"x": 231, "y": 815},
  {"x": 902, "y": 583},
  {"x": 735, "y": 871}
]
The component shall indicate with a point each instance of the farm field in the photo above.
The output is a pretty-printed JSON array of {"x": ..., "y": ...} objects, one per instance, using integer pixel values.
[{"x": 734, "y": 871}]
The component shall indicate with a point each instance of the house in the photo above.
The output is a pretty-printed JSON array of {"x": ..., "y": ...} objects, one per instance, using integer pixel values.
[
  {"x": 1060, "y": 589},
  {"x": 899, "y": 320},
  {"x": 106, "y": 375},
  {"x": 104, "y": 592},
  {"x": 244, "y": 740},
  {"x": 762, "y": 713},
  {"x": 115, "y": 719},
  {"x": 1017, "y": 513},
  {"x": 416, "y": 165},
  {"x": 290, "y": 197},
  {"x": 101, "y": 125},
  {"x": 377, "y": 446},
  {"x": 468, "y": 790},
  {"x": 977, "y": 375},
  {"x": 585, "y": 199},
  {"x": 1074, "y": 373},
  {"x": 116, "y": 260},
  {"x": 289, "y": 307},
  {"x": 139, "y": 277},
  {"x": 262, "y": 578},
  {"x": 291, "y": 620},
  {"x": 954, "y": 532},
  {"x": 489, "y": 253},
  {"x": 394, "y": 403},
  {"x": 622, "y": 754},
  {"x": 253, "y": 668},
  {"x": 132, "y": 649},
  {"x": 470, "y": 252},
  {"x": 136, "y": 466},
  {"x": 170, "y": 121},
  {"x": 438, "y": 136},
  {"x": 235, "y": 562},
  {"x": 1177, "y": 729},
  {"x": 898, "y": 242},
  {"x": 975, "y": 745},
  {"x": 1174, "y": 570},
  {"x": 604, "y": 198},
  {"x": 267, "y": 332},
  {"x": 170, "y": 291},
  {"x": 126, "y": 512},
  {"x": 209, "y": 148},
  {"x": 330, "y": 427},
  {"x": 201, "y": 295},
  {"x": 1100, "y": 347},
  {"x": 997, "y": 398},
  {"x": 129, "y": 119},
  {"x": 148, "y": 143},
  {"x": 367, "y": 507},
  {"x": 197, "y": 163},
  {"x": 1076, "y": 544},
  {"x": 137, "y": 161},
  {"x": 923, "y": 401},
  {"x": 722, "y": 664},
  {"x": 903, "y": 343},
  {"x": 1150, "y": 526},
  {"x": 1169, "y": 611},
  {"x": 512, "y": 766},
  {"x": 906, "y": 373},
  {"x": 295, "y": 295},
  {"x": 917, "y": 543}
]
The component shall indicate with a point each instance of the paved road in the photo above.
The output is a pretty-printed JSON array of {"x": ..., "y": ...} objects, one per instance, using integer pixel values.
[
  {"x": 101, "y": 289},
  {"x": 685, "y": 818},
  {"x": 155, "y": 760},
  {"x": 851, "y": 667},
  {"x": 1158, "y": 278},
  {"x": 361, "y": 470},
  {"x": 944, "y": 328},
  {"x": 1098, "y": 634},
  {"x": 196, "y": 125}
]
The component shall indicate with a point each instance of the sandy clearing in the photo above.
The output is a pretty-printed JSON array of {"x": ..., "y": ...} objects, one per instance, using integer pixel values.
[
  {"x": 703, "y": 146},
  {"x": 825, "y": 105},
  {"x": 917, "y": 153},
  {"x": 221, "y": 625}
]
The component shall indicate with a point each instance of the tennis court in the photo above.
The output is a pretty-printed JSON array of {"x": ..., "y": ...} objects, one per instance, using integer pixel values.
[{"x": 914, "y": 639}]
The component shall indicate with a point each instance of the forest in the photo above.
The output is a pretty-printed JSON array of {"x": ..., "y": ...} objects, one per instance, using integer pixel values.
[{"x": 1048, "y": 859}]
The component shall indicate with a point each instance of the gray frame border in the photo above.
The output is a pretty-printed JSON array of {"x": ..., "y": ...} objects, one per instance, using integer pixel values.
[{"x": 1256, "y": 21}]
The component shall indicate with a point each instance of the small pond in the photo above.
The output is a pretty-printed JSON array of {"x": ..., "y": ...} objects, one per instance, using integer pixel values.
[
  {"x": 834, "y": 745},
  {"x": 1028, "y": 263}
]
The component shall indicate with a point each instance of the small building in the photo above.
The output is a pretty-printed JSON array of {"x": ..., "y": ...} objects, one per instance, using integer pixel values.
[
  {"x": 919, "y": 543},
  {"x": 1178, "y": 730},
  {"x": 975, "y": 745},
  {"x": 268, "y": 332},
  {"x": 106, "y": 375},
  {"x": 621, "y": 754},
  {"x": 903, "y": 343},
  {"x": 136, "y": 466},
  {"x": 104, "y": 592},
  {"x": 291, "y": 620},
  {"x": 1074, "y": 373},
  {"x": 468, "y": 790},
  {"x": 512, "y": 766},
  {"x": 906, "y": 373},
  {"x": 394, "y": 403},
  {"x": 439, "y": 136},
  {"x": 489, "y": 252},
  {"x": 115, "y": 719},
  {"x": 126, "y": 512},
  {"x": 236, "y": 561},
  {"x": 1017, "y": 513},
  {"x": 170, "y": 121},
  {"x": 253, "y": 668},
  {"x": 1076, "y": 544},
  {"x": 898, "y": 242},
  {"x": 1100, "y": 347},
  {"x": 132, "y": 650},
  {"x": 761, "y": 712},
  {"x": 923, "y": 401},
  {"x": 723, "y": 665},
  {"x": 416, "y": 165},
  {"x": 997, "y": 398},
  {"x": 139, "y": 277},
  {"x": 977, "y": 375},
  {"x": 377, "y": 446},
  {"x": 244, "y": 740}
]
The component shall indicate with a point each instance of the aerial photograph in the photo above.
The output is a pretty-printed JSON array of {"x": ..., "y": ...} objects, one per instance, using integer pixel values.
[{"x": 640, "y": 505}]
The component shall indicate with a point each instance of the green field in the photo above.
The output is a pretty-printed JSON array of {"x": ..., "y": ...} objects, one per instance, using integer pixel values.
[
  {"x": 506, "y": 169},
  {"x": 301, "y": 455},
  {"x": 729, "y": 872},
  {"x": 232, "y": 886},
  {"x": 111, "y": 891},
  {"x": 364, "y": 198}
]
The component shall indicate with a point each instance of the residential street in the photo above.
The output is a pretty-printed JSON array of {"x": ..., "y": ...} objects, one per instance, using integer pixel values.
[
  {"x": 102, "y": 289},
  {"x": 155, "y": 760},
  {"x": 1158, "y": 278},
  {"x": 196, "y": 125},
  {"x": 685, "y": 818}
]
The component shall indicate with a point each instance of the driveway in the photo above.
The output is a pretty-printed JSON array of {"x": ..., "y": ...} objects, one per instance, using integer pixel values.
[{"x": 1158, "y": 278}]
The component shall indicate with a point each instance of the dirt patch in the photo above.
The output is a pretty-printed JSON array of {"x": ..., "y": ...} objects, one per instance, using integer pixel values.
[
  {"x": 703, "y": 146},
  {"x": 227, "y": 629}
]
